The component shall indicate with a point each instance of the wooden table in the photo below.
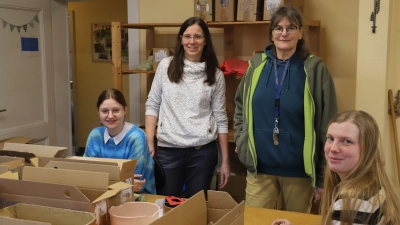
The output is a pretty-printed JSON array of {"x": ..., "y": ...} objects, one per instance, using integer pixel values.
[{"x": 261, "y": 216}]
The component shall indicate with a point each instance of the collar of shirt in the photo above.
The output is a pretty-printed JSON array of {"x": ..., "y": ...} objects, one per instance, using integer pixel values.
[{"x": 120, "y": 136}]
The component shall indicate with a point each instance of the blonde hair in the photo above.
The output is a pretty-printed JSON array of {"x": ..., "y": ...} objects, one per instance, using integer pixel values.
[{"x": 365, "y": 180}]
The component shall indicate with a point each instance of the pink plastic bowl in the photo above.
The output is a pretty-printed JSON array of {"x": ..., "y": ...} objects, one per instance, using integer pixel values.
[{"x": 138, "y": 213}]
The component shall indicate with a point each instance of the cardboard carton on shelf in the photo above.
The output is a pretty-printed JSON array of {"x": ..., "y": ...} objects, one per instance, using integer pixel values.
[
  {"x": 271, "y": 5},
  {"x": 249, "y": 10},
  {"x": 68, "y": 189},
  {"x": 204, "y": 9},
  {"x": 28, "y": 214},
  {"x": 225, "y": 10},
  {"x": 158, "y": 54},
  {"x": 220, "y": 209}
]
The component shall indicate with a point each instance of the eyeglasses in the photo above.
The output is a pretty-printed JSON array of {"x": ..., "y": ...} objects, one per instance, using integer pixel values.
[
  {"x": 114, "y": 111},
  {"x": 187, "y": 37},
  {"x": 289, "y": 30}
]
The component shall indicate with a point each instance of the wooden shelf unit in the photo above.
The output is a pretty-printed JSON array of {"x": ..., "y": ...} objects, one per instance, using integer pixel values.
[
  {"x": 229, "y": 39},
  {"x": 313, "y": 29}
]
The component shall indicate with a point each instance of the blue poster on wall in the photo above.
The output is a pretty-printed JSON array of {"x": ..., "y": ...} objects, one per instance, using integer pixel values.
[{"x": 29, "y": 46}]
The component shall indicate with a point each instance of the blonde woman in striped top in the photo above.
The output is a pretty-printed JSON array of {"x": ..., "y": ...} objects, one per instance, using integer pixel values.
[{"x": 357, "y": 189}]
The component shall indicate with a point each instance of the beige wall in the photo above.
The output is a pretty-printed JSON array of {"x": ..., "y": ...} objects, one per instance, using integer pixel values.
[
  {"x": 377, "y": 70},
  {"x": 92, "y": 77},
  {"x": 338, "y": 48}
]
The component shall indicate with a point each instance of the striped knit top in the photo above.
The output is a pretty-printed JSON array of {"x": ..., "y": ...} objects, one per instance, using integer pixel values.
[{"x": 366, "y": 209}]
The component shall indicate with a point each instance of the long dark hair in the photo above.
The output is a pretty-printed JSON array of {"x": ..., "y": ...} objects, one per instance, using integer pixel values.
[
  {"x": 294, "y": 16},
  {"x": 111, "y": 93},
  {"x": 175, "y": 69}
]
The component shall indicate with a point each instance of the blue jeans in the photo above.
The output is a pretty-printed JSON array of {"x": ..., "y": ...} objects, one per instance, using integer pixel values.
[{"x": 190, "y": 166}]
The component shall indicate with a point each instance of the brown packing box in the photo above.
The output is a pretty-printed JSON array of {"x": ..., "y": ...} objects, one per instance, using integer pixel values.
[
  {"x": 18, "y": 139},
  {"x": 271, "y": 5},
  {"x": 158, "y": 55},
  {"x": 36, "y": 150},
  {"x": 249, "y": 10},
  {"x": 236, "y": 187},
  {"x": 220, "y": 210},
  {"x": 204, "y": 9},
  {"x": 3, "y": 169},
  {"x": 127, "y": 167},
  {"x": 118, "y": 169},
  {"x": 11, "y": 162},
  {"x": 27, "y": 214},
  {"x": 225, "y": 10},
  {"x": 68, "y": 189},
  {"x": 13, "y": 165}
]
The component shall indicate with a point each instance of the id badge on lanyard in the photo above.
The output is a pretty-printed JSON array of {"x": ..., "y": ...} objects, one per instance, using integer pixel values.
[{"x": 278, "y": 89}]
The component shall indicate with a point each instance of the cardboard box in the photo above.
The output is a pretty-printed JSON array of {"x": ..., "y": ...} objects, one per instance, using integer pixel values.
[
  {"x": 236, "y": 187},
  {"x": 37, "y": 150},
  {"x": 18, "y": 139},
  {"x": 158, "y": 55},
  {"x": 221, "y": 209},
  {"x": 13, "y": 165},
  {"x": 225, "y": 10},
  {"x": 118, "y": 169},
  {"x": 3, "y": 169},
  {"x": 249, "y": 10},
  {"x": 11, "y": 162},
  {"x": 271, "y": 5},
  {"x": 68, "y": 189},
  {"x": 27, "y": 214},
  {"x": 204, "y": 9}
]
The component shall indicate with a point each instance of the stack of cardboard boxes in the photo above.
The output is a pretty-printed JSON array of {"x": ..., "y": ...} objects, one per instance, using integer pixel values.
[
  {"x": 47, "y": 189},
  {"x": 74, "y": 184}
]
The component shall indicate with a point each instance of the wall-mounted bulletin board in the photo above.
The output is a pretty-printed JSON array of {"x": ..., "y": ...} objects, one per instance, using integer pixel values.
[{"x": 102, "y": 43}]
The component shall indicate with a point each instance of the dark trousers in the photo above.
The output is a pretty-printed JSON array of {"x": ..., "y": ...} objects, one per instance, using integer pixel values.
[{"x": 193, "y": 167}]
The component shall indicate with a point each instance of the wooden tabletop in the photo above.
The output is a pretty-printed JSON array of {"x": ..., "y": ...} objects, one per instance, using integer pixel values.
[{"x": 261, "y": 216}]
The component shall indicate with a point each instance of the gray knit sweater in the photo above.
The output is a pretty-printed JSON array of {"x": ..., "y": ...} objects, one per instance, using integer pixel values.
[{"x": 190, "y": 113}]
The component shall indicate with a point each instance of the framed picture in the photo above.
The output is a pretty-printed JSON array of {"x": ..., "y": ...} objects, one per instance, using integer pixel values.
[{"x": 102, "y": 43}]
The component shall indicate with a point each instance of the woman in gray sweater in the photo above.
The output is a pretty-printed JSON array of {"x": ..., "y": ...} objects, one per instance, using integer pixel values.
[{"x": 187, "y": 100}]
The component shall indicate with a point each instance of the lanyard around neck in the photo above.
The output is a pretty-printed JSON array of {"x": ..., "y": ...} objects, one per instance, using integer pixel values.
[{"x": 278, "y": 85}]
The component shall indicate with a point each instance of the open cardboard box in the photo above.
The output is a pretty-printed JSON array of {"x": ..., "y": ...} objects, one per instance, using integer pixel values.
[
  {"x": 18, "y": 139},
  {"x": 68, "y": 189},
  {"x": 27, "y": 214},
  {"x": 118, "y": 169},
  {"x": 28, "y": 151},
  {"x": 12, "y": 166},
  {"x": 11, "y": 162},
  {"x": 221, "y": 209}
]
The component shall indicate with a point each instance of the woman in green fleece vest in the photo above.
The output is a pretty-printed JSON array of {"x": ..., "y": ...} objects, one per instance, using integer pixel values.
[{"x": 283, "y": 107}]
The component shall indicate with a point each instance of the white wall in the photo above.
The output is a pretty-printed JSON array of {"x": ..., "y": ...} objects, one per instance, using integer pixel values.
[{"x": 134, "y": 79}]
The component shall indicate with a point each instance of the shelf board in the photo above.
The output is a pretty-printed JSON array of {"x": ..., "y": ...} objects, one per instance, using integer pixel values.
[
  {"x": 137, "y": 71},
  {"x": 149, "y": 25},
  {"x": 312, "y": 23}
]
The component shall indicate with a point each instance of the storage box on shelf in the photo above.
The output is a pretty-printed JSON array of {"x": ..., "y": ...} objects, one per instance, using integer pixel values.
[{"x": 313, "y": 28}]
